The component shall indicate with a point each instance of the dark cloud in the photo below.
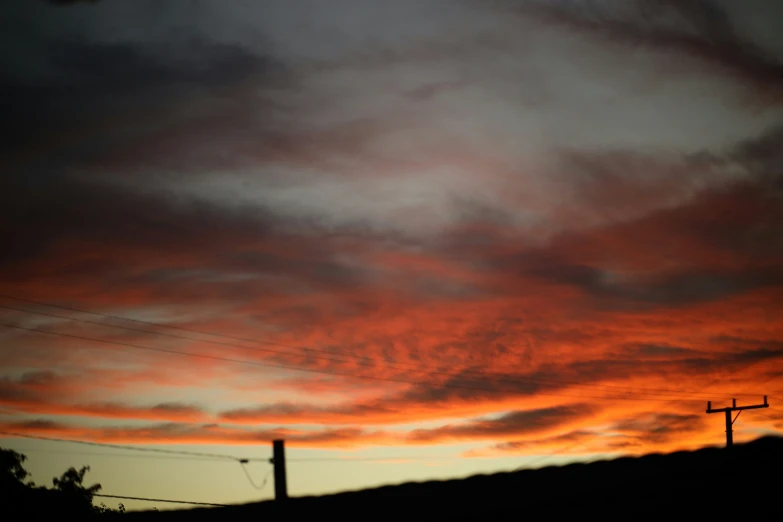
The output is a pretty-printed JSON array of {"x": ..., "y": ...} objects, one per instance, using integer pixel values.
[
  {"x": 158, "y": 245},
  {"x": 675, "y": 290},
  {"x": 102, "y": 97},
  {"x": 565, "y": 377},
  {"x": 287, "y": 412},
  {"x": 40, "y": 379},
  {"x": 701, "y": 29},
  {"x": 705, "y": 363},
  {"x": 39, "y": 425},
  {"x": 431, "y": 90},
  {"x": 69, "y": 2},
  {"x": 427, "y": 399},
  {"x": 110, "y": 69},
  {"x": 631, "y": 253},
  {"x": 584, "y": 379},
  {"x": 467, "y": 387},
  {"x": 716, "y": 243},
  {"x": 773, "y": 350},
  {"x": 193, "y": 433},
  {"x": 656, "y": 350},
  {"x": 638, "y": 432},
  {"x": 739, "y": 223},
  {"x": 9, "y": 391},
  {"x": 573, "y": 437},
  {"x": 510, "y": 424},
  {"x": 31, "y": 386},
  {"x": 764, "y": 155},
  {"x": 174, "y": 407},
  {"x": 168, "y": 236},
  {"x": 658, "y": 428},
  {"x": 46, "y": 392}
]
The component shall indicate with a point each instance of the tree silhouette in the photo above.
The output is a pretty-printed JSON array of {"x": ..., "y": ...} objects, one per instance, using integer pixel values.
[
  {"x": 72, "y": 490},
  {"x": 12, "y": 470},
  {"x": 69, "y": 495}
]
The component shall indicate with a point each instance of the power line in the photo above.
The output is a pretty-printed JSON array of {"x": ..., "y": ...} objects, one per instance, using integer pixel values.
[
  {"x": 313, "y": 370},
  {"x": 201, "y": 332},
  {"x": 203, "y": 456},
  {"x": 175, "y": 336},
  {"x": 214, "y": 460},
  {"x": 763, "y": 415},
  {"x": 163, "y": 500},
  {"x": 544, "y": 458},
  {"x": 640, "y": 391},
  {"x": 132, "y": 448},
  {"x": 713, "y": 382},
  {"x": 119, "y": 455},
  {"x": 367, "y": 361},
  {"x": 365, "y": 459},
  {"x": 370, "y": 363},
  {"x": 250, "y": 479}
]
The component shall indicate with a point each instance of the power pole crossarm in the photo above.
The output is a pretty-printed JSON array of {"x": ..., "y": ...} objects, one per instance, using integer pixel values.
[{"x": 728, "y": 411}]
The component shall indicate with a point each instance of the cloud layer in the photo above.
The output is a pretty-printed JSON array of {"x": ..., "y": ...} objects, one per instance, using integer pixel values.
[{"x": 524, "y": 226}]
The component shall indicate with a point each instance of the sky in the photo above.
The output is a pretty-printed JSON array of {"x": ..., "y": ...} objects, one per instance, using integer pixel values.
[{"x": 415, "y": 239}]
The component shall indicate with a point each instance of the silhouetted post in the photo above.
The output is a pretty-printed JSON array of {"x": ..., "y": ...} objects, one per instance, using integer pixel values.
[
  {"x": 729, "y": 421},
  {"x": 278, "y": 460},
  {"x": 729, "y": 429}
]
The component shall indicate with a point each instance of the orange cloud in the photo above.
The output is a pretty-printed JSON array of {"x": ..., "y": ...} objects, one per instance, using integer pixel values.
[
  {"x": 174, "y": 433},
  {"x": 624, "y": 315}
]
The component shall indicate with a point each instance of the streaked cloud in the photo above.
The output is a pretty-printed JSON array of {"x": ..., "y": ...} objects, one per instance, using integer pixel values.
[{"x": 523, "y": 226}]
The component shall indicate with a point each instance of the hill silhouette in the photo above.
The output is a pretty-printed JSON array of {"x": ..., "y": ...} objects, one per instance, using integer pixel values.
[{"x": 711, "y": 483}]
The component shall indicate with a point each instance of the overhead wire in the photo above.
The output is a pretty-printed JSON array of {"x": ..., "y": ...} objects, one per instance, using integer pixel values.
[
  {"x": 755, "y": 412},
  {"x": 144, "y": 499},
  {"x": 185, "y": 353},
  {"x": 372, "y": 360},
  {"x": 367, "y": 361},
  {"x": 119, "y": 455},
  {"x": 131, "y": 448},
  {"x": 190, "y": 454},
  {"x": 175, "y": 336},
  {"x": 250, "y": 478},
  {"x": 369, "y": 459},
  {"x": 213, "y": 460},
  {"x": 326, "y": 372},
  {"x": 640, "y": 390},
  {"x": 291, "y": 346},
  {"x": 713, "y": 382},
  {"x": 180, "y": 328}
]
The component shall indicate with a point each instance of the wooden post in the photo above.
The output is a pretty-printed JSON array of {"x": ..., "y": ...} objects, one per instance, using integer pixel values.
[
  {"x": 729, "y": 430},
  {"x": 278, "y": 459}
]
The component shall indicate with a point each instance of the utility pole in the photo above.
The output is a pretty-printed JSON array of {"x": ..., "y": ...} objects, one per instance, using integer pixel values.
[
  {"x": 278, "y": 460},
  {"x": 729, "y": 421}
]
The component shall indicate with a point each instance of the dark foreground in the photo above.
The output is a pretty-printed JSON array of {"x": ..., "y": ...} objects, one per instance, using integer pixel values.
[{"x": 744, "y": 483}]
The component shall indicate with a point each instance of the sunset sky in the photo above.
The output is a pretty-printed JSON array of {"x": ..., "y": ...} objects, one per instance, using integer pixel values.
[{"x": 415, "y": 239}]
